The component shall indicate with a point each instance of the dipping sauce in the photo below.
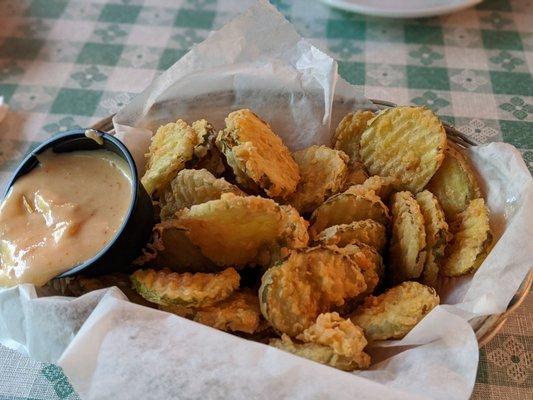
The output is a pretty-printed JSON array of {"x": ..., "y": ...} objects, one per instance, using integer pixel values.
[{"x": 62, "y": 213}]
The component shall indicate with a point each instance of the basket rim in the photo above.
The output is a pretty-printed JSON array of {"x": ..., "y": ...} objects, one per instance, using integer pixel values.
[{"x": 487, "y": 326}]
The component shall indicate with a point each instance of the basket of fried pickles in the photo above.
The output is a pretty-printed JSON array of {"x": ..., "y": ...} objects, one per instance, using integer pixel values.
[{"x": 319, "y": 252}]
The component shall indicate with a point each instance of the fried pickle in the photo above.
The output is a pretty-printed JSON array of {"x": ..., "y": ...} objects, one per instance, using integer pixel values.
[
  {"x": 331, "y": 340},
  {"x": 407, "y": 252},
  {"x": 437, "y": 235},
  {"x": 238, "y": 313},
  {"x": 471, "y": 241},
  {"x": 404, "y": 142},
  {"x": 237, "y": 231},
  {"x": 347, "y": 207},
  {"x": 323, "y": 172},
  {"x": 190, "y": 290},
  {"x": 206, "y": 154},
  {"x": 258, "y": 157},
  {"x": 394, "y": 313},
  {"x": 355, "y": 174},
  {"x": 365, "y": 231},
  {"x": 171, "y": 147},
  {"x": 170, "y": 247},
  {"x": 454, "y": 184},
  {"x": 190, "y": 187},
  {"x": 383, "y": 186},
  {"x": 348, "y": 133},
  {"x": 310, "y": 281},
  {"x": 370, "y": 264}
]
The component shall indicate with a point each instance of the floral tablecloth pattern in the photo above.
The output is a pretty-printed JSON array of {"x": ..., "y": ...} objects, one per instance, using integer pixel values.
[{"x": 69, "y": 63}]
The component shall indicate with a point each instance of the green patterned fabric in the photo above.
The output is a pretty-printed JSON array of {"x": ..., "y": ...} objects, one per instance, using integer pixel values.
[{"x": 67, "y": 63}]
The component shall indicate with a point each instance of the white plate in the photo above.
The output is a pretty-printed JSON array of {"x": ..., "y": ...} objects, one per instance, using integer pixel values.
[{"x": 402, "y": 8}]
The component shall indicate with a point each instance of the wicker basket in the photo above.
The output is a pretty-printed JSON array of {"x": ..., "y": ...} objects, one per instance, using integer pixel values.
[{"x": 485, "y": 327}]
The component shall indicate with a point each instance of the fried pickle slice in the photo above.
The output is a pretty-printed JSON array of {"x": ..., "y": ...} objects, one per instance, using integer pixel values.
[
  {"x": 348, "y": 133},
  {"x": 407, "y": 252},
  {"x": 347, "y": 207},
  {"x": 355, "y": 174},
  {"x": 383, "y": 186},
  {"x": 331, "y": 340},
  {"x": 206, "y": 154},
  {"x": 454, "y": 184},
  {"x": 189, "y": 290},
  {"x": 323, "y": 172},
  {"x": 394, "y": 313},
  {"x": 472, "y": 240},
  {"x": 404, "y": 142},
  {"x": 238, "y": 313},
  {"x": 170, "y": 247},
  {"x": 370, "y": 263},
  {"x": 190, "y": 187},
  {"x": 258, "y": 157},
  {"x": 365, "y": 231},
  {"x": 237, "y": 231},
  {"x": 310, "y": 281},
  {"x": 171, "y": 147},
  {"x": 437, "y": 235}
]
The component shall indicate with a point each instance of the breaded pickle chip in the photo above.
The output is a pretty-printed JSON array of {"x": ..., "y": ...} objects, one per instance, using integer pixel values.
[
  {"x": 407, "y": 252},
  {"x": 206, "y": 154},
  {"x": 172, "y": 146},
  {"x": 295, "y": 291},
  {"x": 191, "y": 290},
  {"x": 454, "y": 184},
  {"x": 238, "y": 313},
  {"x": 369, "y": 262},
  {"x": 355, "y": 175},
  {"x": 235, "y": 230},
  {"x": 394, "y": 313},
  {"x": 366, "y": 231},
  {"x": 404, "y": 142},
  {"x": 347, "y": 207},
  {"x": 348, "y": 133},
  {"x": 471, "y": 241},
  {"x": 323, "y": 172},
  {"x": 171, "y": 248},
  {"x": 437, "y": 235},
  {"x": 190, "y": 187},
  {"x": 383, "y": 186},
  {"x": 257, "y": 155}
]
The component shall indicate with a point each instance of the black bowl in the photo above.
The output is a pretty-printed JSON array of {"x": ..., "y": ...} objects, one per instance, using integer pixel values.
[{"x": 134, "y": 232}]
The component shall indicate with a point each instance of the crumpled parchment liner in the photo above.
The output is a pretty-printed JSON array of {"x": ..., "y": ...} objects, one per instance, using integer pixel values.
[{"x": 120, "y": 350}]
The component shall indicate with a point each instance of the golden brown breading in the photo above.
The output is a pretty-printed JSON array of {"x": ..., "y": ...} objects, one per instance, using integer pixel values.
[
  {"x": 394, "y": 313},
  {"x": 323, "y": 172},
  {"x": 437, "y": 235},
  {"x": 407, "y": 252},
  {"x": 405, "y": 142},
  {"x": 348, "y": 133},
  {"x": 454, "y": 184},
  {"x": 237, "y": 231},
  {"x": 257, "y": 155},
  {"x": 172, "y": 146},
  {"x": 192, "y": 290},
  {"x": 365, "y": 231},
  {"x": 190, "y": 187},
  {"x": 383, "y": 186},
  {"x": 369, "y": 262},
  {"x": 347, "y": 207},
  {"x": 331, "y": 340},
  {"x": 471, "y": 241},
  {"x": 238, "y": 313},
  {"x": 171, "y": 248},
  {"x": 355, "y": 175},
  {"x": 206, "y": 154},
  {"x": 295, "y": 291}
]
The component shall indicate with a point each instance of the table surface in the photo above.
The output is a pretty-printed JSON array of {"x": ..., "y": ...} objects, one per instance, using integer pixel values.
[{"x": 66, "y": 64}]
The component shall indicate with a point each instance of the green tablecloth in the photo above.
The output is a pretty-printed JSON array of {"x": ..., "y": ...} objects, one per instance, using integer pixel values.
[{"x": 66, "y": 63}]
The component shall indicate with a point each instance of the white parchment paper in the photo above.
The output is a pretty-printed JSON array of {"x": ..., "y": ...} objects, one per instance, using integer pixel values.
[{"x": 113, "y": 349}]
